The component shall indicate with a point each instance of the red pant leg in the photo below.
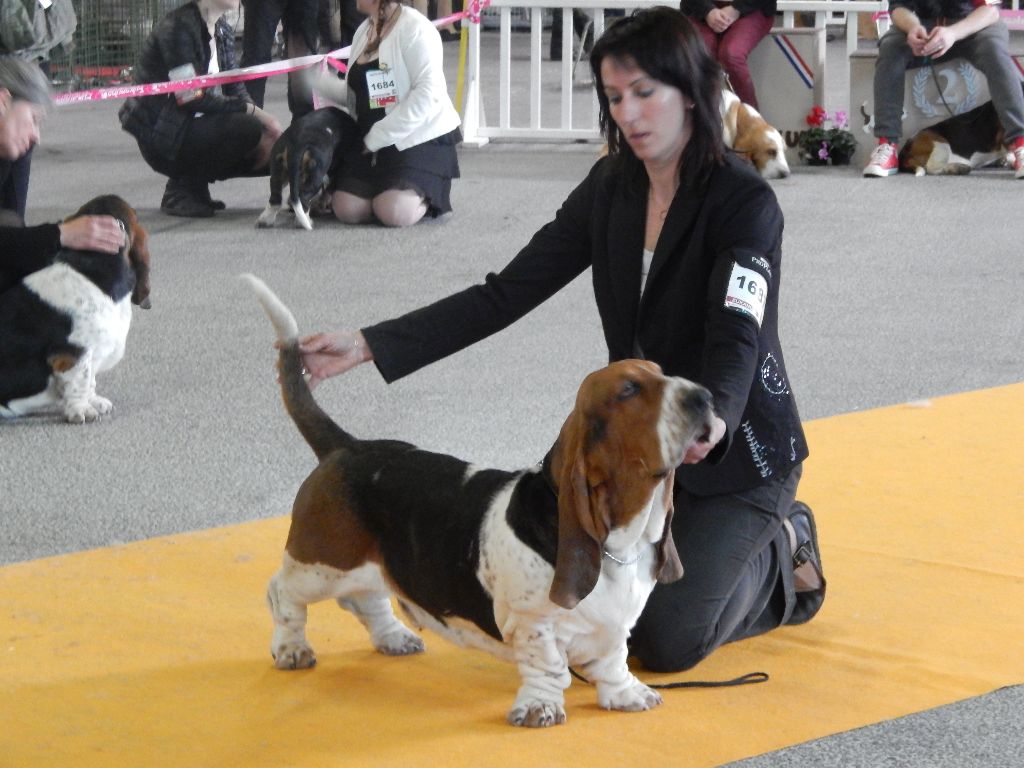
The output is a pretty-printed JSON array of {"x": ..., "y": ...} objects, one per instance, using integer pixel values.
[{"x": 735, "y": 46}]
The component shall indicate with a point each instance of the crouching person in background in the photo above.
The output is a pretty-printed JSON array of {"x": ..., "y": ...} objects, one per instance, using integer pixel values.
[{"x": 198, "y": 136}]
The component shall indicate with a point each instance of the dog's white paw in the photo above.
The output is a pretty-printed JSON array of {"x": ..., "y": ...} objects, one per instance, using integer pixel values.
[
  {"x": 536, "y": 713},
  {"x": 293, "y": 656},
  {"x": 267, "y": 218},
  {"x": 101, "y": 405},
  {"x": 80, "y": 411},
  {"x": 635, "y": 698},
  {"x": 401, "y": 641}
]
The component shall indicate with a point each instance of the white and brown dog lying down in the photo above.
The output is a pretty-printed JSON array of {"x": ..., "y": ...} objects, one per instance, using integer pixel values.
[
  {"x": 69, "y": 321},
  {"x": 547, "y": 567},
  {"x": 957, "y": 145},
  {"x": 750, "y": 135}
]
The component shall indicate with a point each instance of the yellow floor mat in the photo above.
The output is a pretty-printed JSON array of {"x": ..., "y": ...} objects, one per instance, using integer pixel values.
[{"x": 156, "y": 653}]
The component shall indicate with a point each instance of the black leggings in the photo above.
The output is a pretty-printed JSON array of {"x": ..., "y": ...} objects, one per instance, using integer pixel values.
[
  {"x": 215, "y": 147},
  {"x": 733, "y": 587}
]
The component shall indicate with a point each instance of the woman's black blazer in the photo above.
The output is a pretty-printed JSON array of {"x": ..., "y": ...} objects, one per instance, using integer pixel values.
[{"x": 709, "y": 312}]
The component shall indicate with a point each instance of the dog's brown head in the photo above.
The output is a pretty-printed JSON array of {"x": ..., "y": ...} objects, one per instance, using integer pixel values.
[
  {"x": 136, "y": 249},
  {"x": 629, "y": 430}
]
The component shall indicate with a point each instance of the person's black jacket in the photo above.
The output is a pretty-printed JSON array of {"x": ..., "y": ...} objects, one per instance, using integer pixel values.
[
  {"x": 23, "y": 250},
  {"x": 181, "y": 37},
  {"x": 730, "y": 228}
]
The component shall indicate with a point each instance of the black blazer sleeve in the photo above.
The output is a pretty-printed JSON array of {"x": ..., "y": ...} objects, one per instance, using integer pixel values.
[
  {"x": 557, "y": 254},
  {"x": 746, "y": 242}
]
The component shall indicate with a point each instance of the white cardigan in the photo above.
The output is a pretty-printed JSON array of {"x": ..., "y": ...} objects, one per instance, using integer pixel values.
[{"x": 412, "y": 51}]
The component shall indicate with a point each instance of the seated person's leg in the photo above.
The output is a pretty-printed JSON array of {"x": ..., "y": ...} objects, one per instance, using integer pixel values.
[
  {"x": 894, "y": 55},
  {"x": 399, "y": 207},
  {"x": 351, "y": 209},
  {"x": 989, "y": 51},
  {"x": 734, "y": 48}
]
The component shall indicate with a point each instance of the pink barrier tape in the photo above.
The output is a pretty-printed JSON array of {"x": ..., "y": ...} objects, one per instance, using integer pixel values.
[
  {"x": 240, "y": 75},
  {"x": 1013, "y": 19}
]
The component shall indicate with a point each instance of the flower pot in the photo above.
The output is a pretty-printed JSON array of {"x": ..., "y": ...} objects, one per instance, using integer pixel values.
[{"x": 841, "y": 157}]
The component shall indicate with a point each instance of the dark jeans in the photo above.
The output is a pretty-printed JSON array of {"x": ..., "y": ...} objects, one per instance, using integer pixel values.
[
  {"x": 14, "y": 194},
  {"x": 737, "y": 581},
  {"x": 216, "y": 147},
  {"x": 301, "y": 34}
]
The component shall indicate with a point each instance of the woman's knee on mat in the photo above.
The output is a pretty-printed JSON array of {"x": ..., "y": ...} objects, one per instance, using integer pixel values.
[
  {"x": 350, "y": 209},
  {"x": 672, "y": 649},
  {"x": 399, "y": 207}
]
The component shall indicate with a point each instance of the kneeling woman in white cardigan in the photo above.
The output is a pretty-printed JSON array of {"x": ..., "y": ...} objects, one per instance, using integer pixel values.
[{"x": 395, "y": 89}]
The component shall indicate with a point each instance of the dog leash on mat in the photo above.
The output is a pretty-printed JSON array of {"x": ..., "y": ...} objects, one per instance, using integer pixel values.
[{"x": 748, "y": 679}]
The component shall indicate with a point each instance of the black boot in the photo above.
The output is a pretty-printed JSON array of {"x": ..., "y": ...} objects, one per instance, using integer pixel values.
[
  {"x": 181, "y": 198},
  {"x": 808, "y": 577},
  {"x": 203, "y": 191}
]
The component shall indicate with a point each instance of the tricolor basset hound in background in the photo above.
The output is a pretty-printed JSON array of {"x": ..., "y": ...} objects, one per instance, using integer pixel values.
[
  {"x": 750, "y": 135},
  {"x": 957, "y": 145},
  {"x": 547, "y": 567},
  {"x": 69, "y": 321}
]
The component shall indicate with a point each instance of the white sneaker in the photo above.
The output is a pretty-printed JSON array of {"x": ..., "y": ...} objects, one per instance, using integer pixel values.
[
  {"x": 1018, "y": 161},
  {"x": 883, "y": 162}
]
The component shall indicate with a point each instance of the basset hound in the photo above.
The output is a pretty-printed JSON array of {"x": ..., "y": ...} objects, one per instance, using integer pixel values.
[
  {"x": 547, "y": 567},
  {"x": 957, "y": 145},
  {"x": 751, "y": 136},
  {"x": 69, "y": 321}
]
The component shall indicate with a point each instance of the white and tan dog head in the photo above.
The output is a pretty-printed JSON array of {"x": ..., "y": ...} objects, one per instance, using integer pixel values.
[
  {"x": 750, "y": 135},
  {"x": 629, "y": 430}
]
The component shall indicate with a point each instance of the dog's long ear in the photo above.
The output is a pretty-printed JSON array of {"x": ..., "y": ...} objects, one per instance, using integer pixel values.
[
  {"x": 138, "y": 257},
  {"x": 668, "y": 567},
  {"x": 578, "y": 556}
]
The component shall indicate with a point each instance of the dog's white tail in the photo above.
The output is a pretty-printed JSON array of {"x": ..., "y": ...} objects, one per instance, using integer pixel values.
[
  {"x": 301, "y": 216},
  {"x": 280, "y": 316},
  {"x": 319, "y": 430}
]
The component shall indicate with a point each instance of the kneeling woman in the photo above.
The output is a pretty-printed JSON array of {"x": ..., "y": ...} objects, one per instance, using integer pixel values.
[
  {"x": 396, "y": 91},
  {"x": 196, "y": 137}
]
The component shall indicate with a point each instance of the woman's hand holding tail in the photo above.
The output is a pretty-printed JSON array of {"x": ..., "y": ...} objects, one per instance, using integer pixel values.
[{"x": 328, "y": 354}]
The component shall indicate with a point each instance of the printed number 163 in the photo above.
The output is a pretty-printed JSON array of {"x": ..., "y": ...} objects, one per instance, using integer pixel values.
[{"x": 751, "y": 286}]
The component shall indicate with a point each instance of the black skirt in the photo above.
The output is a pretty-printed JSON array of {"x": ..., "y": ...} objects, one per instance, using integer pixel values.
[{"x": 427, "y": 168}]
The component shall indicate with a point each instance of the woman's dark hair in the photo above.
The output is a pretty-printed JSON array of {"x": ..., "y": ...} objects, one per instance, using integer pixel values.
[
  {"x": 665, "y": 45},
  {"x": 380, "y": 22}
]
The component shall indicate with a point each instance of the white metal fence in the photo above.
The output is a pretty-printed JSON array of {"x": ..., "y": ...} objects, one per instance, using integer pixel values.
[{"x": 543, "y": 100}]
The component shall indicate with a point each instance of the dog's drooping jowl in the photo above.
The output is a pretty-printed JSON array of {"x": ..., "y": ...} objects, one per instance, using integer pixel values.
[
  {"x": 301, "y": 159},
  {"x": 752, "y": 137},
  {"x": 66, "y": 323},
  {"x": 547, "y": 567}
]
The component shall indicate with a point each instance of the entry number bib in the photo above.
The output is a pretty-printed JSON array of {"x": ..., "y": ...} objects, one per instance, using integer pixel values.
[
  {"x": 382, "y": 89},
  {"x": 746, "y": 292}
]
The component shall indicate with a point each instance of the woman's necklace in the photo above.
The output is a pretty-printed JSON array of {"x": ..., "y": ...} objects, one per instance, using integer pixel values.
[{"x": 659, "y": 208}]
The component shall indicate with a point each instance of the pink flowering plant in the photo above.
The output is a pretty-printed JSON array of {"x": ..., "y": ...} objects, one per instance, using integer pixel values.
[{"x": 827, "y": 140}]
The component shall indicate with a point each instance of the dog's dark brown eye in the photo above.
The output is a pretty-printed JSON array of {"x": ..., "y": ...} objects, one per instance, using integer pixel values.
[
  {"x": 660, "y": 475},
  {"x": 629, "y": 389}
]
